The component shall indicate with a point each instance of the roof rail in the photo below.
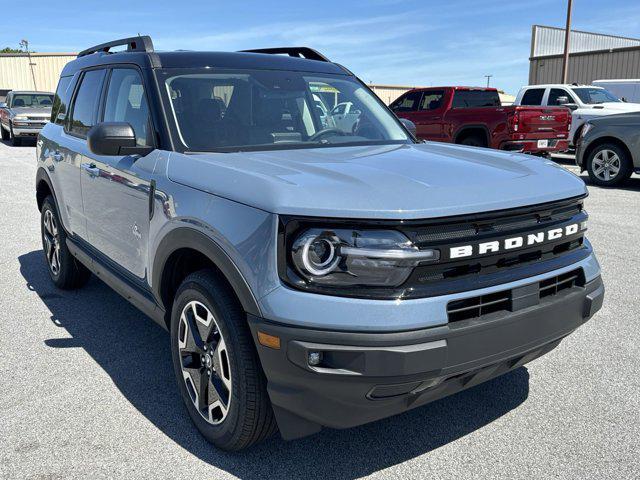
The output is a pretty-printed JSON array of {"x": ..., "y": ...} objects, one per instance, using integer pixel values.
[
  {"x": 300, "y": 52},
  {"x": 134, "y": 44}
]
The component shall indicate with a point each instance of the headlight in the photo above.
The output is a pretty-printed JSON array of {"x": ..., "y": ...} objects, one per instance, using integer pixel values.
[
  {"x": 346, "y": 257},
  {"x": 21, "y": 118},
  {"x": 585, "y": 129}
]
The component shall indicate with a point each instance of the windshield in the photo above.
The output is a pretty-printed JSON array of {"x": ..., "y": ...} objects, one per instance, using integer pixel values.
[
  {"x": 33, "y": 100},
  {"x": 266, "y": 109},
  {"x": 594, "y": 96}
]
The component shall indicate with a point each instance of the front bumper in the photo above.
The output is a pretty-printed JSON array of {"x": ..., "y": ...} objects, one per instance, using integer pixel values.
[
  {"x": 26, "y": 131},
  {"x": 531, "y": 146},
  {"x": 368, "y": 376}
]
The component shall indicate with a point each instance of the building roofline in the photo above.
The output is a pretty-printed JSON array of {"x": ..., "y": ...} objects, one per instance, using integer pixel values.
[
  {"x": 381, "y": 85},
  {"x": 39, "y": 54},
  {"x": 589, "y": 33},
  {"x": 588, "y": 52}
]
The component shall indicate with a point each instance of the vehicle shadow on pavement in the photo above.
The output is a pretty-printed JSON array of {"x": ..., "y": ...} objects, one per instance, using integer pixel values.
[
  {"x": 135, "y": 353},
  {"x": 26, "y": 142}
]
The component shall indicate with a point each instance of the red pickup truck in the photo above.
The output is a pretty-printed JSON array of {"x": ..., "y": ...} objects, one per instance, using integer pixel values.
[{"x": 475, "y": 116}]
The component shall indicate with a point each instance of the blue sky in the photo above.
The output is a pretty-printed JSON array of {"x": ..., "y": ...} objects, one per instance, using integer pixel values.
[{"x": 382, "y": 41}]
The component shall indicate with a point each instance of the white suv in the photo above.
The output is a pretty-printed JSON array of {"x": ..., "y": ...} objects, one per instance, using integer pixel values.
[{"x": 585, "y": 101}]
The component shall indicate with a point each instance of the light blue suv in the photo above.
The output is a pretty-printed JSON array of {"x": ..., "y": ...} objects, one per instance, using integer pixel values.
[{"x": 311, "y": 274}]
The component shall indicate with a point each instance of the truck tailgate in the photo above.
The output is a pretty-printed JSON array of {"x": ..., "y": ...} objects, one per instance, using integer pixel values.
[{"x": 543, "y": 122}]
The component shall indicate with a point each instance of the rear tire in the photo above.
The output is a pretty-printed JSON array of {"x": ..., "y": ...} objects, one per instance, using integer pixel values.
[
  {"x": 609, "y": 165},
  {"x": 65, "y": 271},
  {"x": 216, "y": 364},
  {"x": 474, "y": 141}
]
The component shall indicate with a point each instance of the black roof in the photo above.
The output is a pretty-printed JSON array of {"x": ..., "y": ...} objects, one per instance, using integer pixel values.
[{"x": 219, "y": 60}]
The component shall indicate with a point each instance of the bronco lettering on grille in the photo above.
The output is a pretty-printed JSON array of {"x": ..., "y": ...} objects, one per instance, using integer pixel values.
[{"x": 511, "y": 243}]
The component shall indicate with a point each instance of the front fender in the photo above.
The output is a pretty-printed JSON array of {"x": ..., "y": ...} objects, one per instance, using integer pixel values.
[{"x": 187, "y": 237}]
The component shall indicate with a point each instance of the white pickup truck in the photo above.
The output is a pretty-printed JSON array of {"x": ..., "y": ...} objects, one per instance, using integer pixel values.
[{"x": 585, "y": 102}]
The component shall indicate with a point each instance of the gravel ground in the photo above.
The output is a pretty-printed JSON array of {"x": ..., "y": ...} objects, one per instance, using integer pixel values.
[{"x": 88, "y": 389}]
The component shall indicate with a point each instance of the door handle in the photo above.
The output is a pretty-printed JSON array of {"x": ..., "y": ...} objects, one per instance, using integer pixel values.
[
  {"x": 57, "y": 156},
  {"x": 91, "y": 169}
]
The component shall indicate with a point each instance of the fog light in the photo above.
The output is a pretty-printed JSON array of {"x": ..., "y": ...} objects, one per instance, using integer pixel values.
[{"x": 315, "y": 358}]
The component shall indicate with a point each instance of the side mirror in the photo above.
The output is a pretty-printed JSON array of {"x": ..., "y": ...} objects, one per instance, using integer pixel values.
[
  {"x": 3, "y": 105},
  {"x": 409, "y": 125},
  {"x": 624, "y": 99},
  {"x": 571, "y": 106},
  {"x": 114, "y": 138}
]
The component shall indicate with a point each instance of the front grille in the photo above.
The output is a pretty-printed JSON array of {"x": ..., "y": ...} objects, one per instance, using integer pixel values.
[
  {"x": 38, "y": 119},
  {"x": 480, "y": 227},
  {"x": 508, "y": 300},
  {"x": 453, "y": 274}
]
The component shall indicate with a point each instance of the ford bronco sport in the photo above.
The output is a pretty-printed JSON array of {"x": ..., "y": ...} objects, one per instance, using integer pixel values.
[{"x": 310, "y": 275}]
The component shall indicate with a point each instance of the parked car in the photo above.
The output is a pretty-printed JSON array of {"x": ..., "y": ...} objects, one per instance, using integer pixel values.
[
  {"x": 23, "y": 114},
  {"x": 627, "y": 90},
  {"x": 310, "y": 277},
  {"x": 474, "y": 116},
  {"x": 585, "y": 101},
  {"x": 609, "y": 148},
  {"x": 345, "y": 115}
]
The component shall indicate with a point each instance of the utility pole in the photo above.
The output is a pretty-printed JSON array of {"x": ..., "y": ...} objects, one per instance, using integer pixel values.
[
  {"x": 567, "y": 35},
  {"x": 25, "y": 44},
  {"x": 488, "y": 77}
]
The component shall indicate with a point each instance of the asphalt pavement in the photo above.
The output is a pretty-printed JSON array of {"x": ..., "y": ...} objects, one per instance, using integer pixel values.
[{"x": 87, "y": 388}]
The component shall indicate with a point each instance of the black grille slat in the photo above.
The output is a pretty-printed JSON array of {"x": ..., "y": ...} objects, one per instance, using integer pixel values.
[
  {"x": 477, "y": 307},
  {"x": 471, "y": 230}
]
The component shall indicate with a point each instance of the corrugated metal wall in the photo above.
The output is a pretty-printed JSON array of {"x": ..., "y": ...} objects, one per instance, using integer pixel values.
[
  {"x": 587, "y": 67},
  {"x": 550, "y": 41},
  {"x": 17, "y": 74}
]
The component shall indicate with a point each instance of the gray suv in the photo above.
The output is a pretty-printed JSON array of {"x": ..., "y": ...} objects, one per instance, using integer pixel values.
[
  {"x": 608, "y": 148},
  {"x": 311, "y": 274}
]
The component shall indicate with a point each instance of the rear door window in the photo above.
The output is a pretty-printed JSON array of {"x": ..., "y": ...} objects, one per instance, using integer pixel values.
[
  {"x": 407, "y": 103},
  {"x": 85, "y": 104},
  {"x": 533, "y": 96},
  {"x": 432, "y": 100},
  {"x": 475, "y": 99}
]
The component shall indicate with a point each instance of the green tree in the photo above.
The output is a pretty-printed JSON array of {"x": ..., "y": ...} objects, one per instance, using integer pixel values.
[{"x": 11, "y": 50}]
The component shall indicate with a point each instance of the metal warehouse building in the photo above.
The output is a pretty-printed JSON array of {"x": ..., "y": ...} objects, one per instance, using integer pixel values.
[
  {"x": 35, "y": 71},
  {"x": 592, "y": 56}
]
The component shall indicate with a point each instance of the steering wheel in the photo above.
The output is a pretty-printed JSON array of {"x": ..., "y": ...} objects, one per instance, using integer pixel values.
[{"x": 326, "y": 131}]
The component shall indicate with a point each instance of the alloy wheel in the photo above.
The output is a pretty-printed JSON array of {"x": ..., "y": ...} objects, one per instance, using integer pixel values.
[
  {"x": 52, "y": 242},
  {"x": 606, "y": 165},
  {"x": 204, "y": 361}
]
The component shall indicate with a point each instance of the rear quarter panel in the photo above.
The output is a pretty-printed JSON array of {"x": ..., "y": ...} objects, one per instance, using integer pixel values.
[{"x": 492, "y": 119}]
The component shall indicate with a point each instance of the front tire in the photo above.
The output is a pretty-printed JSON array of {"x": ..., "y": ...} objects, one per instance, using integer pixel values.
[
  {"x": 609, "y": 165},
  {"x": 65, "y": 271},
  {"x": 15, "y": 141},
  {"x": 4, "y": 133},
  {"x": 216, "y": 364},
  {"x": 474, "y": 141}
]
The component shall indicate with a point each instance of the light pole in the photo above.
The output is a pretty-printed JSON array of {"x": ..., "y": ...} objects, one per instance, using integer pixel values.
[
  {"x": 25, "y": 44},
  {"x": 567, "y": 34},
  {"x": 488, "y": 77}
]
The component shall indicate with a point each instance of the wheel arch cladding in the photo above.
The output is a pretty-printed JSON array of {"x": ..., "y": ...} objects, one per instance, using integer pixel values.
[
  {"x": 43, "y": 188},
  {"x": 472, "y": 130},
  {"x": 185, "y": 250}
]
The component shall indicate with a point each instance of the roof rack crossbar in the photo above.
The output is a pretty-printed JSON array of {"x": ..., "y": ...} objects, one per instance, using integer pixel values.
[
  {"x": 300, "y": 52},
  {"x": 134, "y": 44}
]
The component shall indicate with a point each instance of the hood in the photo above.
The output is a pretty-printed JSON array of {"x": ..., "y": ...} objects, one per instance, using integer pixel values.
[
  {"x": 609, "y": 108},
  {"x": 44, "y": 112},
  {"x": 384, "y": 182}
]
